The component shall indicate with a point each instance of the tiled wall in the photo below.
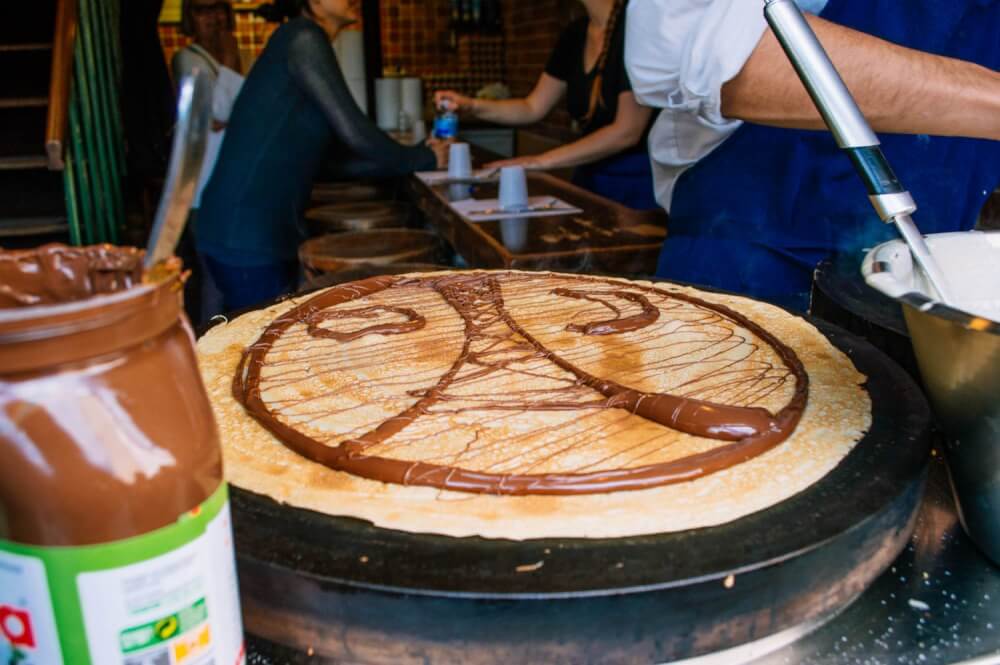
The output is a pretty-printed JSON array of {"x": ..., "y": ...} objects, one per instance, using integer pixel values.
[
  {"x": 532, "y": 28},
  {"x": 415, "y": 36},
  {"x": 252, "y": 33},
  {"x": 417, "y": 41}
]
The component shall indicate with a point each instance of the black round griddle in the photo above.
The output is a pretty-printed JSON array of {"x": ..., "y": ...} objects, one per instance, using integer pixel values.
[
  {"x": 841, "y": 296},
  {"x": 341, "y": 590}
]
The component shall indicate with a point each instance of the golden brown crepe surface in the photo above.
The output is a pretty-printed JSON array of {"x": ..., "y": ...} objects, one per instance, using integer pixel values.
[{"x": 334, "y": 390}]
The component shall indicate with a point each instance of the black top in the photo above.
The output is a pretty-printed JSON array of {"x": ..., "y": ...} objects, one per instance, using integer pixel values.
[
  {"x": 294, "y": 117},
  {"x": 566, "y": 64}
]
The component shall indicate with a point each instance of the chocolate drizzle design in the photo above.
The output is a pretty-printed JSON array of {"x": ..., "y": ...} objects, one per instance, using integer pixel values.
[
  {"x": 413, "y": 322},
  {"x": 718, "y": 402},
  {"x": 619, "y": 324}
]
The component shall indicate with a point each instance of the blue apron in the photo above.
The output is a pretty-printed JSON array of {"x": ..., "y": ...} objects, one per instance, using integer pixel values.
[
  {"x": 757, "y": 214},
  {"x": 625, "y": 178}
]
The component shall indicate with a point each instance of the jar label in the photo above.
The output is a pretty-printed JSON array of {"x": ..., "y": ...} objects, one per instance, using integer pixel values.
[{"x": 168, "y": 597}]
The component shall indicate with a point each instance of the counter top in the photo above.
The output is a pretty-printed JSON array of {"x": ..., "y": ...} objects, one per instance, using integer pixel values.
[
  {"x": 606, "y": 237},
  {"x": 938, "y": 604}
]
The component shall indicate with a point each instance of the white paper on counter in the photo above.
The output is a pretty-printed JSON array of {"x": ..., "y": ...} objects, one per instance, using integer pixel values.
[
  {"x": 432, "y": 178},
  {"x": 468, "y": 207}
]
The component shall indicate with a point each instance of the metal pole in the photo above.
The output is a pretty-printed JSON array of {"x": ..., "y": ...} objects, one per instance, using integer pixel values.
[{"x": 84, "y": 206}]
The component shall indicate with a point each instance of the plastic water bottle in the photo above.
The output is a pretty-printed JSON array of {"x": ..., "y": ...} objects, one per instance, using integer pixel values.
[{"x": 445, "y": 122}]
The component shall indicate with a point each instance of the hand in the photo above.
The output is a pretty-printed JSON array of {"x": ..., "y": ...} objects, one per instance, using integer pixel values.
[
  {"x": 454, "y": 101},
  {"x": 441, "y": 149},
  {"x": 529, "y": 162}
]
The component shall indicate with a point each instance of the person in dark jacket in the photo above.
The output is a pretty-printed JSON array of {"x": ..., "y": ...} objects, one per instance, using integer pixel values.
[{"x": 293, "y": 117}]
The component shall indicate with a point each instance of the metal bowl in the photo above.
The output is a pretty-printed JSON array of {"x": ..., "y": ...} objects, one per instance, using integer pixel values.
[{"x": 958, "y": 352}]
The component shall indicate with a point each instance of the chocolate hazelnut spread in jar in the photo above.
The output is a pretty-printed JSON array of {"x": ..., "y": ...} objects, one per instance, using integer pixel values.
[{"x": 115, "y": 535}]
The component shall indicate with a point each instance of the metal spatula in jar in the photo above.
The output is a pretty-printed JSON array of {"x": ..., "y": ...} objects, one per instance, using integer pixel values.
[
  {"x": 194, "y": 122},
  {"x": 840, "y": 112}
]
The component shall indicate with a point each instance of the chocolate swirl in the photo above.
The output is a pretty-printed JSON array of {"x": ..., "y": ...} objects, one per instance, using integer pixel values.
[
  {"x": 495, "y": 342},
  {"x": 413, "y": 322},
  {"x": 619, "y": 324}
]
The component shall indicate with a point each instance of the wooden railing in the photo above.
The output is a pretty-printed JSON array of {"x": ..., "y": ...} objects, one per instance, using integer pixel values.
[{"x": 63, "y": 45}]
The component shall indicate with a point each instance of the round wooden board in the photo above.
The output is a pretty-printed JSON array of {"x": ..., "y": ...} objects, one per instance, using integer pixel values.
[{"x": 841, "y": 296}]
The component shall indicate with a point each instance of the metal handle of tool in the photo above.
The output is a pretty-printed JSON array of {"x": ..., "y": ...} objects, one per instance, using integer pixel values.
[
  {"x": 853, "y": 134},
  {"x": 194, "y": 122},
  {"x": 838, "y": 108}
]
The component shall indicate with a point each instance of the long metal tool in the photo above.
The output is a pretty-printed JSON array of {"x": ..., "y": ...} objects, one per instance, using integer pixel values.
[
  {"x": 891, "y": 200},
  {"x": 194, "y": 118}
]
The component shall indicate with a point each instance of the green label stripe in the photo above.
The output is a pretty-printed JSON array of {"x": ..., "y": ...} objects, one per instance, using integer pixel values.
[
  {"x": 64, "y": 564},
  {"x": 92, "y": 558},
  {"x": 162, "y": 630}
]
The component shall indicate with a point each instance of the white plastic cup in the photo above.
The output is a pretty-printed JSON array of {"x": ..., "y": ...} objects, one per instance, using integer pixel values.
[
  {"x": 411, "y": 96},
  {"x": 514, "y": 233},
  {"x": 513, "y": 189},
  {"x": 419, "y": 132},
  {"x": 387, "y": 103},
  {"x": 405, "y": 123},
  {"x": 459, "y": 161},
  {"x": 458, "y": 192}
]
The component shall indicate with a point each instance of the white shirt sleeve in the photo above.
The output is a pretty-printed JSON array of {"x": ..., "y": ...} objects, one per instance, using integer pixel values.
[
  {"x": 679, "y": 53},
  {"x": 188, "y": 58},
  {"x": 227, "y": 88},
  {"x": 225, "y": 85}
]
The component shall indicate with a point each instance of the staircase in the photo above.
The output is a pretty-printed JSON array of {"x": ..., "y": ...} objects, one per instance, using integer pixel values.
[
  {"x": 62, "y": 157},
  {"x": 32, "y": 200}
]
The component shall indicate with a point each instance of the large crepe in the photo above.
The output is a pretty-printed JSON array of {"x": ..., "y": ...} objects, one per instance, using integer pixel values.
[{"x": 334, "y": 389}]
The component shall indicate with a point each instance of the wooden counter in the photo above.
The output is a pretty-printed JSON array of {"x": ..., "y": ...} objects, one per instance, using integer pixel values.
[{"x": 606, "y": 237}]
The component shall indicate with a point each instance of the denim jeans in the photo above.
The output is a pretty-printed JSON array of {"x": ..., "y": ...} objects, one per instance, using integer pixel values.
[{"x": 246, "y": 286}]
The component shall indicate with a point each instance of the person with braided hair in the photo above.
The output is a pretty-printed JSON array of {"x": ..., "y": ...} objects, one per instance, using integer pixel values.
[{"x": 586, "y": 67}]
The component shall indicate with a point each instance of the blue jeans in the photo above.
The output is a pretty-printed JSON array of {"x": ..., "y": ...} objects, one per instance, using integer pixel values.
[
  {"x": 775, "y": 274},
  {"x": 626, "y": 179},
  {"x": 245, "y": 286}
]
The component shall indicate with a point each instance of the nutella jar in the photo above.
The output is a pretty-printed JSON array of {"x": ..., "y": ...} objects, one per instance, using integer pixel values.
[{"x": 115, "y": 536}]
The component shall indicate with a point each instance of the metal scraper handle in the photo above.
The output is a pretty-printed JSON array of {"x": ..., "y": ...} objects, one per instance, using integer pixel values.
[
  {"x": 840, "y": 112},
  {"x": 194, "y": 122}
]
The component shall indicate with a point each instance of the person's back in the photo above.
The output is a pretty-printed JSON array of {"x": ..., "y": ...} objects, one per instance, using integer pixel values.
[
  {"x": 276, "y": 141},
  {"x": 294, "y": 115}
]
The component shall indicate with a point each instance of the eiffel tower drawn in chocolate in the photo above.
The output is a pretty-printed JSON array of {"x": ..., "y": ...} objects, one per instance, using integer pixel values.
[{"x": 496, "y": 346}]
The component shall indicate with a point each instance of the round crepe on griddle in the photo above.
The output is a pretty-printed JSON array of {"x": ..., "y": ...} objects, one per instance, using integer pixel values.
[{"x": 517, "y": 405}]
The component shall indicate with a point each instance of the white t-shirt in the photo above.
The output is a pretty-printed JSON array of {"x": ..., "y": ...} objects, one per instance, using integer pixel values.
[
  {"x": 226, "y": 85},
  {"x": 679, "y": 53}
]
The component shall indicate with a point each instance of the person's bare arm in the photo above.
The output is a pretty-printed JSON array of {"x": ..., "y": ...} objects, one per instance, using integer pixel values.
[
  {"x": 900, "y": 90},
  {"x": 625, "y": 132},
  {"x": 524, "y": 111}
]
